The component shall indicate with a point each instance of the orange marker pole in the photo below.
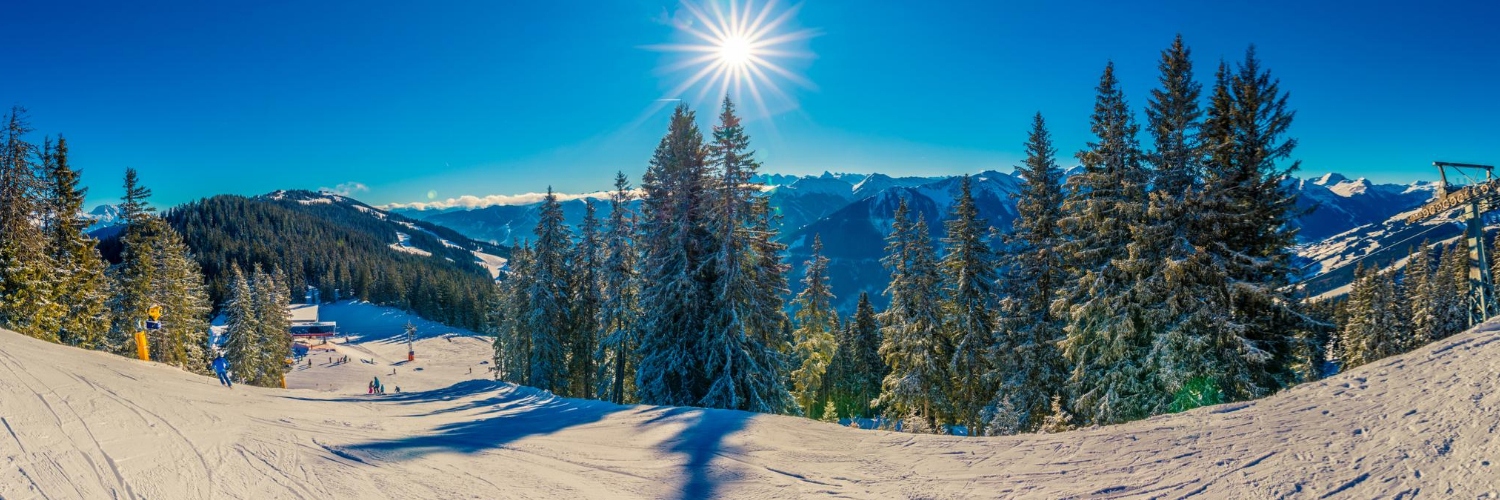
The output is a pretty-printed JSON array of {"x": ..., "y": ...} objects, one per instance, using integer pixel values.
[{"x": 141, "y": 349}]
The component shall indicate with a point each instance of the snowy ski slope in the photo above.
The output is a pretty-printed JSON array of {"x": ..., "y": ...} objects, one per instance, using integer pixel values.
[{"x": 83, "y": 424}]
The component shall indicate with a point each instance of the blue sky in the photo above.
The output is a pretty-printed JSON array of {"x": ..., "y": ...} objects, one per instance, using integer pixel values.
[{"x": 417, "y": 98}]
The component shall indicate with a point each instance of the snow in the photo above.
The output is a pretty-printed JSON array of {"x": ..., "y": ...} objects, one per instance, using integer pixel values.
[
  {"x": 446, "y": 354},
  {"x": 403, "y": 244},
  {"x": 1330, "y": 179},
  {"x": 316, "y": 201},
  {"x": 494, "y": 263},
  {"x": 375, "y": 213},
  {"x": 823, "y": 185},
  {"x": 94, "y": 425},
  {"x": 1350, "y": 188},
  {"x": 101, "y": 217}
]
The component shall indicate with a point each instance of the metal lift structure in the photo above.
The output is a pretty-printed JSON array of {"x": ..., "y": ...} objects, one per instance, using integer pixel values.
[{"x": 1477, "y": 197}]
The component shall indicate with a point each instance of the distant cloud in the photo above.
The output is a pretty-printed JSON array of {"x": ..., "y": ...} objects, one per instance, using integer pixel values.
[
  {"x": 346, "y": 189},
  {"x": 471, "y": 202}
]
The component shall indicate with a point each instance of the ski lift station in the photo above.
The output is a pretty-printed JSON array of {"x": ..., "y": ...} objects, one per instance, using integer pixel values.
[{"x": 305, "y": 322}]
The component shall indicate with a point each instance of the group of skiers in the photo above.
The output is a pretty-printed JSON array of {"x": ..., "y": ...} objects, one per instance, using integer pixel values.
[{"x": 221, "y": 368}]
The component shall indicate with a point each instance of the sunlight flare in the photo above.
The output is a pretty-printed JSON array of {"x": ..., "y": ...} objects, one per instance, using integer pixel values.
[{"x": 739, "y": 49}]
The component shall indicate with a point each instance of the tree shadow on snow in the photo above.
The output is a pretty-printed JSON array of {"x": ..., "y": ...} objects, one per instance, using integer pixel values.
[
  {"x": 511, "y": 414},
  {"x": 463, "y": 389},
  {"x": 701, "y": 441}
]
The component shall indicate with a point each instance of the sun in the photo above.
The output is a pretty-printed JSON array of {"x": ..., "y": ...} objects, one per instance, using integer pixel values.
[
  {"x": 734, "y": 52},
  {"x": 737, "y": 48}
]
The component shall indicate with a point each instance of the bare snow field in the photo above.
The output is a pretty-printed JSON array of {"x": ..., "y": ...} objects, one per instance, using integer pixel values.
[{"x": 81, "y": 424}]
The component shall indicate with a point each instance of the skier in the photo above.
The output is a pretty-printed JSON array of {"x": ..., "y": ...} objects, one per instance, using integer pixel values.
[
  {"x": 376, "y": 384},
  {"x": 221, "y": 367}
]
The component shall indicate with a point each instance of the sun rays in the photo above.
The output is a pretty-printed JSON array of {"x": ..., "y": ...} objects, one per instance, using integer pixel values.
[{"x": 734, "y": 48}]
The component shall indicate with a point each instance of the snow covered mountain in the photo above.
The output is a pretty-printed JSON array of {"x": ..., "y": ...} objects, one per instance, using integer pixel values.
[
  {"x": 1339, "y": 217},
  {"x": 101, "y": 217},
  {"x": 852, "y": 213},
  {"x": 85, "y": 424},
  {"x": 804, "y": 200},
  {"x": 854, "y": 236},
  {"x": 508, "y": 225},
  {"x": 1328, "y": 264},
  {"x": 1334, "y": 204},
  {"x": 412, "y": 236}
]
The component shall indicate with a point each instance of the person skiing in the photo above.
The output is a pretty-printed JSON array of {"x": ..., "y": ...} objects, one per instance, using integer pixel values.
[
  {"x": 376, "y": 383},
  {"x": 221, "y": 367}
]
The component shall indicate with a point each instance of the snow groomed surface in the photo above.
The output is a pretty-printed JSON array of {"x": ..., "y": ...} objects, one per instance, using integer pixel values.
[{"x": 83, "y": 424}]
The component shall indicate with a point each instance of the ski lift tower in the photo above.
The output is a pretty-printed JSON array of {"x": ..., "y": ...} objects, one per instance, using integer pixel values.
[
  {"x": 1477, "y": 197},
  {"x": 411, "y": 335}
]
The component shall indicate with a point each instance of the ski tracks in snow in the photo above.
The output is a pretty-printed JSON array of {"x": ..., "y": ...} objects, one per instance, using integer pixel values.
[{"x": 92, "y": 425}]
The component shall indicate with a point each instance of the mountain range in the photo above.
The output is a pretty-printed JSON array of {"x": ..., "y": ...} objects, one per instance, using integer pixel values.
[{"x": 1339, "y": 220}]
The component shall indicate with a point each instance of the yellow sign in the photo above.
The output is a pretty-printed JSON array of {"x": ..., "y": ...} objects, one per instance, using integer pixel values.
[{"x": 154, "y": 312}]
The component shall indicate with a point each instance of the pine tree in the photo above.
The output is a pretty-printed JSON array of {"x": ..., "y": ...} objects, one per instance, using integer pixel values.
[
  {"x": 741, "y": 361},
  {"x": 1174, "y": 118},
  {"x": 915, "y": 350},
  {"x": 857, "y": 370},
  {"x": 1058, "y": 419},
  {"x": 274, "y": 343},
  {"x": 586, "y": 301},
  {"x": 157, "y": 269},
  {"x": 497, "y": 323},
  {"x": 133, "y": 204},
  {"x": 242, "y": 329},
  {"x": 1449, "y": 287},
  {"x": 546, "y": 318},
  {"x": 674, "y": 246},
  {"x": 1418, "y": 278},
  {"x": 1107, "y": 337},
  {"x": 816, "y": 326},
  {"x": 1245, "y": 217},
  {"x": 512, "y": 339},
  {"x": 838, "y": 380},
  {"x": 619, "y": 311},
  {"x": 81, "y": 286},
  {"x": 1194, "y": 355},
  {"x": 26, "y": 295},
  {"x": 1377, "y": 326},
  {"x": 969, "y": 280},
  {"x": 867, "y": 369},
  {"x": 1358, "y": 307},
  {"x": 1027, "y": 366},
  {"x": 180, "y": 291},
  {"x": 772, "y": 327}
]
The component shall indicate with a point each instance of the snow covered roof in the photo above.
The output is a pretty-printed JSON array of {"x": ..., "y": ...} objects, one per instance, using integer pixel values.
[{"x": 302, "y": 313}]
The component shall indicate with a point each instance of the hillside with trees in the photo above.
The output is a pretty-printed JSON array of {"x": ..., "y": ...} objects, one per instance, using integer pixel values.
[{"x": 340, "y": 247}]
